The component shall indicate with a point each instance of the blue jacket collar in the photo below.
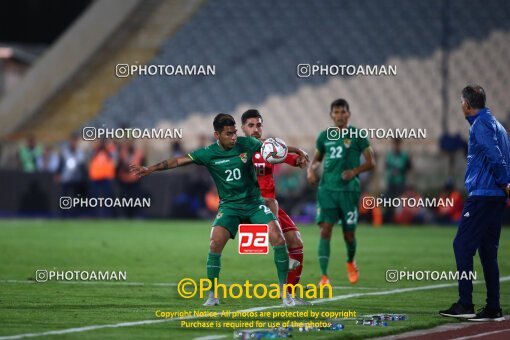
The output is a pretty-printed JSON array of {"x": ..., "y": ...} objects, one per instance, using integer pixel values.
[{"x": 471, "y": 119}]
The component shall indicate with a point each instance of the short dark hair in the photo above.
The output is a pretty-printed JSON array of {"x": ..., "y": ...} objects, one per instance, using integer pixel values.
[
  {"x": 475, "y": 96},
  {"x": 221, "y": 120},
  {"x": 340, "y": 103},
  {"x": 251, "y": 113}
]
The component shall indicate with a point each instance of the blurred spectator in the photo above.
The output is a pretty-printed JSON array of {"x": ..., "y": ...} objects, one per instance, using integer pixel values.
[
  {"x": 199, "y": 185},
  {"x": 72, "y": 171},
  {"x": 446, "y": 214},
  {"x": 176, "y": 149},
  {"x": 398, "y": 164},
  {"x": 212, "y": 200},
  {"x": 203, "y": 141},
  {"x": 48, "y": 161},
  {"x": 102, "y": 174},
  {"x": 128, "y": 182},
  {"x": 410, "y": 215},
  {"x": 450, "y": 144},
  {"x": 289, "y": 182},
  {"x": 28, "y": 155}
]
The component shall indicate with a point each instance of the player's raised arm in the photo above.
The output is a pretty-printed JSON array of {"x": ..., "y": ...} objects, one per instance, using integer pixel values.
[
  {"x": 368, "y": 165},
  {"x": 311, "y": 174},
  {"x": 171, "y": 163}
]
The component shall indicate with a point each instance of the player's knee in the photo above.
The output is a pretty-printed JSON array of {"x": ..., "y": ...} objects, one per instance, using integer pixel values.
[
  {"x": 278, "y": 242},
  {"x": 215, "y": 246},
  {"x": 293, "y": 239},
  {"x": 326, "y": 232},
  {"x": 295, "y": 243},
  {"x": 349, "y": 237},
  {"x": 276, "y": 238}
]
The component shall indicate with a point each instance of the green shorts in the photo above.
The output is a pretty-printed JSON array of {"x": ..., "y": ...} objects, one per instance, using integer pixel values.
[
  {"x": 230, "y": 217},
  {"x": 338, "y": 206}
]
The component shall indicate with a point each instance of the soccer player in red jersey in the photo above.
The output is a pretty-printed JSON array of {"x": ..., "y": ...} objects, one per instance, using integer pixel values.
[{"x": 252, "y": 127}]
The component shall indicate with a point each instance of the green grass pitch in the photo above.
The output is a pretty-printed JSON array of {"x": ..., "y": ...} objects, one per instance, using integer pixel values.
[{"x": 156, "y": 252}]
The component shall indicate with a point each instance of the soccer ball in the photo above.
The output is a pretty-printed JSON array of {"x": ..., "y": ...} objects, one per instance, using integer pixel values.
[{"x": 274, "y": 150}]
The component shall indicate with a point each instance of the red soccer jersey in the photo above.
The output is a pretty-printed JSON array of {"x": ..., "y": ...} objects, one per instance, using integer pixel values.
[{"x": 264, "y": 172}]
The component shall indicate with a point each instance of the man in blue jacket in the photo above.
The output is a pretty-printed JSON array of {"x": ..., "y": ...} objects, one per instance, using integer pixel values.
[{"x": 487, "y": 182}]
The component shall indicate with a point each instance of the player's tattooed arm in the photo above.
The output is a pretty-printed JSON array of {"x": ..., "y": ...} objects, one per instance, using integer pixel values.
[
  {"x": 171, "y": 163},
  {"x": 311, "y": 173},
  {"x": 161, "y": 166},
  {"x": 368, "y": 165}
]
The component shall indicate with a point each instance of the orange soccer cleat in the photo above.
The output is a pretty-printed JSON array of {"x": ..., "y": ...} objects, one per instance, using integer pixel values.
[
  {"x": 324, "y": 281},
  {"x": 352, "y": 272}
]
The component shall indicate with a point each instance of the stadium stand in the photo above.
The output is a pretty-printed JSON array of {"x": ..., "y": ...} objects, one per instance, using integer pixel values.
[{"x": 256, "y": 48}]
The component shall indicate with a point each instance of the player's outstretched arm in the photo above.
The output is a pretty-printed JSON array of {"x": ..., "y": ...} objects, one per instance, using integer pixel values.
[
  {"x": 171, "y": 163},
  {"x": 311, "y": 174},
  {"x": 293, "y": 149},
  {"x": 302, "y": 160},
  {"x": 368, "y": 165}
]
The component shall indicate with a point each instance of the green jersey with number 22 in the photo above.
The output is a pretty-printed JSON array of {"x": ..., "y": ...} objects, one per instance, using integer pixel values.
[{"x": 339, "y": 155}]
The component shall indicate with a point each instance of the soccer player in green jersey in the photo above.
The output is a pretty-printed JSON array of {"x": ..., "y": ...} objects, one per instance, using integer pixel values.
[
  {"x": 229, "y": 161},
  {"x": 338, "y": 194}
]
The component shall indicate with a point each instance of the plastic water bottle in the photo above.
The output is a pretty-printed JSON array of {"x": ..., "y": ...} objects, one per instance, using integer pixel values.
[
  {"x": 332, "y": 327},
  {"x": 391, "y": 317},
  {"x": 371, "y": 322},
  {"x": 261, "y": 334}
]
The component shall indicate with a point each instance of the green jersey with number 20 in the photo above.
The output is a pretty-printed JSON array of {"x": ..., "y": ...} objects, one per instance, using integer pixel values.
[
  {"x": 339, "y": 155},
  {"x": 232, "y": 170}
]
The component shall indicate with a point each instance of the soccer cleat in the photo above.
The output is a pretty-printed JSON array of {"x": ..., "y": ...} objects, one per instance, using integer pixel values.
[
  {"x": 460, "y": 311},
  {"x": 324, "y": 281},
  {"x": 211, "y": 300},
  {"x": 288, "y": 301},
  {"x": 301, "y": 302},
  {"x": 352, "y": 272},
  {"x": 486, "y": 314},
  {"x": 293, "y": 264}
]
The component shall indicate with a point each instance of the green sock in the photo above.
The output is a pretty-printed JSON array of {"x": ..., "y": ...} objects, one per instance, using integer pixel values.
[
  {"x": 213, "y": 267},
  {"x": 324, "y": 251},
  {"x": 351, "y": 250},
  {"x": 281, "y": 259}
]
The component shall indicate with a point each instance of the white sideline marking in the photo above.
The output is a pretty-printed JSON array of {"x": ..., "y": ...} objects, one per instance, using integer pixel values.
[
  {"x": 116, "y": 283},
  {"x": 400, "y": 290},
  {"x": 211, "y": 337},
  {"x": 356, "y": 287},
  {"x": 162, "y": 284},
  {"x": 254, "y": 309}
]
